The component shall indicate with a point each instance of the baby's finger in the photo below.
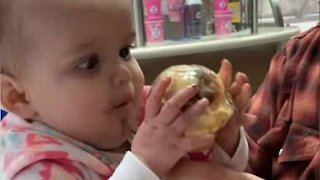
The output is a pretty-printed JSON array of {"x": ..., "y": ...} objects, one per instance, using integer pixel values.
[
  {"x": 173, "y": 106},
  {"x": 182, "y": 122},
  {"x": 235, "y": 87},
  {"x": 242, "y": 78},
  {"x": 189, "y": 144},
  {"x": 153, "y": 104},
  {"x": 242, "y": 100},
  {"x": 225, "y": 72}
]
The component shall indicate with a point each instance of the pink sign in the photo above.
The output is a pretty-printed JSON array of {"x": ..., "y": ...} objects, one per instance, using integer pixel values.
[
  {"x": 154, "y": 30},
  {"x": 220, "y": 5},
  {"x": 222, "y": 23},
  {"x": 153, "y": 9}
]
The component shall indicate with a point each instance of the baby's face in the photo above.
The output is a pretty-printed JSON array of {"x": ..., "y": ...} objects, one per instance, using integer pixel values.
[{"x": 80, "y": 77}]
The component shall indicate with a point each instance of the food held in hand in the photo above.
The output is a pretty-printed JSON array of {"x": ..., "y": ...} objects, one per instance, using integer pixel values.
[{"x": 220, "y": 107}]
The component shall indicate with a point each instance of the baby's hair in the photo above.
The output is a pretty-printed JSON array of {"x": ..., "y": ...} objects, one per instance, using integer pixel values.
[
  {"x": 1, "y": 17},
  {"x": 3, "y": 61},
  {"x": 7, "y": 64},
  {"x": 1, "y": 33}
]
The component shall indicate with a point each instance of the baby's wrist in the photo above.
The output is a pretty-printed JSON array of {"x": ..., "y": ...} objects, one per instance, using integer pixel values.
[
  {"x": 230, "y": 131},
  {"x": 229, "y": 140},
  {"x": 150, "y": 165}
]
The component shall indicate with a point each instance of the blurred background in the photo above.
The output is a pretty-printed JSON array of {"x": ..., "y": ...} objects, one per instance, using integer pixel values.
[{"x": 247, "y": 32}]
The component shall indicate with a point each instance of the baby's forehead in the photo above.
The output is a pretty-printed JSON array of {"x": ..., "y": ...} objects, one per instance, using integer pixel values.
[
  {"x": 70, "y": 15},
  {"x": 41, "y": 27},
  {"x": 45, "y": 6}
]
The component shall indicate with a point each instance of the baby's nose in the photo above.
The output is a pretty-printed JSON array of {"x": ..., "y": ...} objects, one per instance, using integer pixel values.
[{"x": 122, "y": 75}]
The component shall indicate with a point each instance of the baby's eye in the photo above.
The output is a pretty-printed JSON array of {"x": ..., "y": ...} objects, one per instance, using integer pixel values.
[
  {"x": 125, "y": 53},
  {"x": 89, "y": 63}
]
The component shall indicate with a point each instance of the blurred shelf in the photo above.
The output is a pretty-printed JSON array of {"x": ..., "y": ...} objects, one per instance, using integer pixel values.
[{"x": 206, "y": 44}]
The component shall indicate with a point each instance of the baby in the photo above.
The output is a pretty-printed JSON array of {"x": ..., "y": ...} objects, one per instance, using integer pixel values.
[{"x": 74, "y": 92}]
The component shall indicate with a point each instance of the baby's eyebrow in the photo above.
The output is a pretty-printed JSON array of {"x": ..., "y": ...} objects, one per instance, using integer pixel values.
[
  {"x": 75, "y": 49},
  {"x": 83, "y": 46}
]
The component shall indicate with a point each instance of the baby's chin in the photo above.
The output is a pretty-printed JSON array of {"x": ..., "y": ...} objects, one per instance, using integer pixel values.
[
  {"x": 112, "y": 141},
  {"x": 120, "y": 145}
]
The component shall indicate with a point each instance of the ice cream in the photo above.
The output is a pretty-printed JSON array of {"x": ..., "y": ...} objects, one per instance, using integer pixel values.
[{"x": 211, "y": 87}]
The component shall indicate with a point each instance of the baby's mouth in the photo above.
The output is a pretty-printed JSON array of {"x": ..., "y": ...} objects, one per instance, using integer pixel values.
[
  {"x": 121, "y": 105},
  {"x": 123, "y": 102}
]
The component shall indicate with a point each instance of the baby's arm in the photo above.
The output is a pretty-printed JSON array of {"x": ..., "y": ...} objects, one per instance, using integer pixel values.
[
  {"x": 239, "y": 160},
  {"x": 232, "y": 147}
]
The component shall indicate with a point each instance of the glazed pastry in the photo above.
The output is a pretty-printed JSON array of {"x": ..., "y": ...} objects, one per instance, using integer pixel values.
[{"x": 211, "y": 87}]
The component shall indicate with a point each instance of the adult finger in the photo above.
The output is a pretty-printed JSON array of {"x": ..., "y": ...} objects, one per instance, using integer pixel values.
[
  {"x": 225, "y": 72},
  {"x": 173, "y": 106},
  {"x": 154, "y": 100}
]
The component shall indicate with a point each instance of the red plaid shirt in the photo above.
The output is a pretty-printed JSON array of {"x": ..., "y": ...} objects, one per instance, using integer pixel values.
[{"x": 284, "y": 143}]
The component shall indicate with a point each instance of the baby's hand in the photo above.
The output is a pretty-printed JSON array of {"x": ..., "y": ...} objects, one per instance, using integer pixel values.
[
  {"x": 160, "y": 141},
  {"x": 240, "y": 90}
]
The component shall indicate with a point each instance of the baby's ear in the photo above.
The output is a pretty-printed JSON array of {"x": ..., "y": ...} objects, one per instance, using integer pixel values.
[{"x": 13, "y": 97}]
